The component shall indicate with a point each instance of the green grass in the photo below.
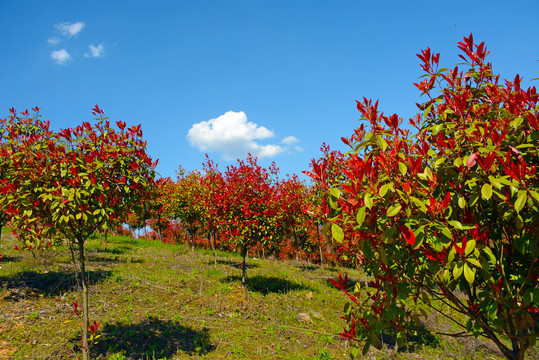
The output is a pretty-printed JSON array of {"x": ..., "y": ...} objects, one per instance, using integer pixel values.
[{"x": 160, "y": 301}]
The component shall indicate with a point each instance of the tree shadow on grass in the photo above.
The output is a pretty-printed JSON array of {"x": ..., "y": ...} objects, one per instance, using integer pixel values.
[
  {"x": 236, "y": 263},
  {"x": 116, "y": 250},
  {"x": 413, "y": 342},
  {"x": 150, "y": 339},
  {"x": 102, "y": 259},
  {"x": 8, "y": 258},
  {"x": 267, "y": 284},
  {"x": 32, "y": 283}
]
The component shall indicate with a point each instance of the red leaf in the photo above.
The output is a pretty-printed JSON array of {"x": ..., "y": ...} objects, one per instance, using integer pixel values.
[
  {"x": 472, "y": 160},
  {"x": 408, "y": 234}
]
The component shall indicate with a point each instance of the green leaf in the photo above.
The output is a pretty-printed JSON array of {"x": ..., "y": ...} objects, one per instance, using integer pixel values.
[
  {"x": 383, "y": 190},
  {"x": 439, "y": 161},
  {"x": 470, "y": 246},
  {"x": 383, "y": 255},
  {"x": 469, "y": 274},
  {"x": 427, "y": 110},
  {"x": 462, "y": 202},
  {"x": 402, "y": 168},
  {"x": 383, "y": 143},
  {"x": 486, "y": 191},
  {"x": 521, "y": 201},
  {"x": 336, "y": 193},
  {"x": 337, "y": 233},
  {"x": 360, "y": 216},
  {"x": 457, "y": 271},
  {"x": 368, "y": 201},
  {"x": 474, "y": 262},
  {"x": 428, "y": 173},
  {"x": 456, "y": 224},
  {"x": 394, "y": 210},
  {"x": 535, "y": 195},
  {"x": 366, "y": 347}
]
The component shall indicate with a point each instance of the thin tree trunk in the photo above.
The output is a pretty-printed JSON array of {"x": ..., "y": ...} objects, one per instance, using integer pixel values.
[
  {"x": 192, "y": 241},
  {"x": 85, "y": 317},
  {"x": 295, "y": 242},
  {"x": 320, "y": 246},
  {"x": 214, "y": 249},
  {"x": 263, "y": 252},
  {"x": 243, "y": 267}
]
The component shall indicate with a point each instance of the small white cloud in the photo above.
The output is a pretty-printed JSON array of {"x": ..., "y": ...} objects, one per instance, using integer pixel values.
[
  {"x": 95, "y": 51},
  {"x": 289, "y": 140},
  {"x": 53, "y": 41},
  {"x": 70, "y": 29},
  {"x": 232, "y": 135},
  {"x": 60, "y": 56},
  {"x": 298, "y": 148}
]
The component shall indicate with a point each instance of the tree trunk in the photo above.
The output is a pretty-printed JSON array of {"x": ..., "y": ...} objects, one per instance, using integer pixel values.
[
  {"x": 192, "y": 241},
  {"x": 243, "y": 267},
  {"x": 295, "y": 242},
  {"x": 85, "y": 317},
  {"x": 214, "y": 249},
  {"x": 320, "y": 246}
]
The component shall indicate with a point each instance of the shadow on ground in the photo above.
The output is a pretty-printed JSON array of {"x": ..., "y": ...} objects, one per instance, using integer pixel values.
[
  {"x": 413, "y": 342},
  {"x": 7, "y": 258},
  {"x": 25, "y": 284},
  {"x": 267, "y": 284},
  {"x": 116, "y": 250},
  {"x": 150, "y": 339},
  {"x": 236, "y": 263}
]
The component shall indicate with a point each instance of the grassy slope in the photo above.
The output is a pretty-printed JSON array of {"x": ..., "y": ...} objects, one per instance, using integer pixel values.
[{"x": 158, "y": 301}]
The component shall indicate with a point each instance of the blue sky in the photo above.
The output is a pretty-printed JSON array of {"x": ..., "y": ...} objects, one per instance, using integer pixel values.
[{"x": 276, "y": 78}]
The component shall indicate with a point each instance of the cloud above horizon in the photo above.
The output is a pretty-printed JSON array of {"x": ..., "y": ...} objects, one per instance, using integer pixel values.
[
  {"x": 70, "y": 29},
  {"x": 95, "y": 51},
  {"x": 61, "y": 57},
  {"x": 234, "y": 136}
]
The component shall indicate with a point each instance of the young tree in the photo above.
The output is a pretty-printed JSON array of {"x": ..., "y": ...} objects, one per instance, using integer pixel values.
[
  {"x": 74, "y": 182},
  {"x": 188, "y": 202},
  {"x": 448, "y": 217},
  {"x": 291, "y": 201},
  {"x": 213, "y": 189},
  {"x": 160, "y": 206},
  {"x": 250, "y": 214}
]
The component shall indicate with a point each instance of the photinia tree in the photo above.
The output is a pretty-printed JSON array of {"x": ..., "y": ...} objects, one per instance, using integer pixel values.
[
  {"x": 74, "y": 182},
  {"x": 187, "y": 202},
  {"x": 159, "y": 212},
  {"x": 249, "y": 208},
  {"x": 291, "y": 199},
  {"x": 213, "y": 185},
  {"x": 446, "y": 217}
]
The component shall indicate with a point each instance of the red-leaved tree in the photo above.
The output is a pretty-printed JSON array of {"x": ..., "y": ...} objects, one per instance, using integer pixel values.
[
  {"x": 73, "y": 183},
  {"x": 447, "y": 217},
  {"x": 250, "y": 214}
]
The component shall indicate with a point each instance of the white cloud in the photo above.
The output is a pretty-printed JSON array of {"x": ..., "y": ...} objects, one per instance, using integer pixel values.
[
  {"x": 53, "y": 40},
  {"x": 289, "y": 140},
  {"x": 70, "y": 29},
  {"x": 60, "y": 56},
  {"x": 95, "y": 51},
  {"x": 232, "y": 135}
]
